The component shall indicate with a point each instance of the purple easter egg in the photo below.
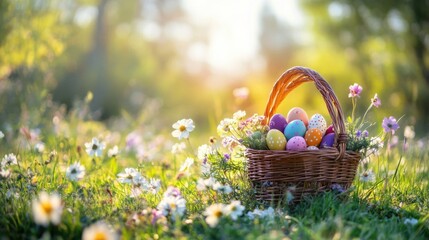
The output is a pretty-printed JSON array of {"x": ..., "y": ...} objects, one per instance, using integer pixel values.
[
  {"x": 295, "y": 128},
  {"x": 328, "y": 140},
  {"x": 278, "y": 122},
  {"x": 330, "y": 129},
  {"x": 296, "y": 143}
]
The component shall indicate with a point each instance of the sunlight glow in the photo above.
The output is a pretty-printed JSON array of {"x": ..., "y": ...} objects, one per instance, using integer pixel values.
[{"x": 234, "y": 28}]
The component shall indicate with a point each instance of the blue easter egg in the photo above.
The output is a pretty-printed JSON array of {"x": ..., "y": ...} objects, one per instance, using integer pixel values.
[
  {"x": 328, "y": 140},
  {"x": 295, "y": 128},
  {"x": 278, "y": 122}
]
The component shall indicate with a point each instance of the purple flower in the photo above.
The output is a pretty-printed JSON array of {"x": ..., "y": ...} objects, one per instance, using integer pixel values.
[
  {"x": 226, "y": 157},
  {"x": 390, "y": 125},
  {"x": 337, "y": 188},
  {"x": 355, "y": 90},
  {"x": 172, "y": 192},
  {"x": 156, "y": 214},
  {"x": 358, "y": 133},
  {"x": 365, "y": 133},
  {"x": 376, "y": 102}
]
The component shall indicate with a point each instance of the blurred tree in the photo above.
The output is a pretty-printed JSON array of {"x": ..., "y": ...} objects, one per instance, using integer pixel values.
[
  {"x": 386, "y": 41},
  {"x": 276, "y": 42},
  {"x": 30, "y": 40}
]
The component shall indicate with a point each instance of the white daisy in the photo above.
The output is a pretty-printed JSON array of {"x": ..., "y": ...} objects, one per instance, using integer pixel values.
[
  {"x": 200, "y": 185},
  {"x": 94, "y": 148},
  {"x": 9, "y": 159},
  {"x": 239, "y": 115},
  {"x": 113, "y": 152},
  {"x": 178, "y": 148},
  {"x": 4, "y": 172},
  {"x": 183, "y": 128},
  {"x": 225, "y": 126},
  {"x": 411, "y": 221},
  {"x": 127, "y": 175},
  {"x": 140, "y": 185},
  {"x": 172, "y": 206},
  {"x": 39, "y": 147},
  {"x": 75, "y": 172},
  {"x": 204, "y": 151},
  {"x": 99, "y": 230},
  {"x": 409, "y": 132},
  {"x": 269, "y": 212},
  {"x": 367, "y": 176},
  {"x": 154, "y": 185},
  {"x": 203, "y": 184},
  {"x": 226, "y": 189},
  {"x": 172, "y": 192},
  {"x": 186, "y": 165},
  {"x": 47, "y": 209},
  {"x": 205, "y": 168},
  {"x": 214, "y": 213},
  {"x": 235, "y": 209}
]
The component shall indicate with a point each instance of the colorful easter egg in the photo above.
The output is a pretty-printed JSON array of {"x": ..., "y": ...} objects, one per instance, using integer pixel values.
[
  {"x": 312, "y": 148},
  {"x": 297, "y": 113},
  {"x": 313, "y": 137},
  {"x": 317, "y": 121},
  {"x": 278, "y": 122},
  {"x": 328, "y": 140},
  {"x": 296, "y": 143},
  {"x": 330, "y": 129},
  {"x": 276, "y": 140},
  {"x": 295, "y": 128}
]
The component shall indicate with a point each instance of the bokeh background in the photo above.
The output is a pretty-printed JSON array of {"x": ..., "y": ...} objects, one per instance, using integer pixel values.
[{"x": 204, "y": 59}]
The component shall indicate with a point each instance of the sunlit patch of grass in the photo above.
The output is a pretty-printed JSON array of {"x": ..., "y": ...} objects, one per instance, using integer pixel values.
[{"x": 394, "y": 206}]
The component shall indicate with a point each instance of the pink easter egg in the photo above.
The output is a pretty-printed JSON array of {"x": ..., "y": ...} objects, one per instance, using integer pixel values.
[{"x": 296, "y": 143}]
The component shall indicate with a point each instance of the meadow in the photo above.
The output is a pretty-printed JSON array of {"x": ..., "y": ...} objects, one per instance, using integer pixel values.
[{"x": 128, "y": 178}]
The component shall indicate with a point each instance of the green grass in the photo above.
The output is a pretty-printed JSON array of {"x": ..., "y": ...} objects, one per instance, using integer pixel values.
[{"x": 368, "y": 211}]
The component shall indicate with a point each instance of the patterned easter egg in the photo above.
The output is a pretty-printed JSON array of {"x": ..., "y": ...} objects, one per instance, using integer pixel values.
[
  {"x": 296, "y": 143},
  {"x": 276, "y": 140},
  {"x": 317, "y": 121},
  {"x": 312, "y": 148},
  {"x": 327, "y": 140},
  {"x": 330, "y": 129},
  {"x": 278, "y": 122},
  {"x": 295, "y": 128},
  {"x": 297, "y": 113},
  {"x": 313, "y": 137}
]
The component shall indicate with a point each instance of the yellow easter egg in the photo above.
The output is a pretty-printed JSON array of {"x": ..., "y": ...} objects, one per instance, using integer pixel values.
[
  {"x": 276, "y": 140},
  {"x": 313, "y": 137}
]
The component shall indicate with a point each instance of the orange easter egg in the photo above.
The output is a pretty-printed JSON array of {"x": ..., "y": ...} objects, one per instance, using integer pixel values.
[{"x": 313, "y": 137}]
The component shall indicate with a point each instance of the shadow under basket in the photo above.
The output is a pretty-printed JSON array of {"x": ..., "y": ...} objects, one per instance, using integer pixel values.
[{"x": 292, "y": 175}]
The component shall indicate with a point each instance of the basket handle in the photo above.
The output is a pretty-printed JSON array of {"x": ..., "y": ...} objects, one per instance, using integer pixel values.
[{"x": 294, "y": 77}]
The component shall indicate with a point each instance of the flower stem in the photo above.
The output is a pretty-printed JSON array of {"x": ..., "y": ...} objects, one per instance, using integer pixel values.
[
  {"x": 364, "y": 115},
  {"x": 190, "y": 145},
  {"x": 353, "y": 109}
]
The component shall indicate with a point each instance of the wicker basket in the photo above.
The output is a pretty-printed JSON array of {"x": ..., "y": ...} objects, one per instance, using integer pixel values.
[{"x": 277, "y": 174}]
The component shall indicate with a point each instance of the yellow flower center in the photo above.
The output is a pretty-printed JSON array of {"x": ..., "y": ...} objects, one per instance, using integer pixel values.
[
  {"x": 47, "y": 207},
  {"x": 173, "y": 206},
  {"x": 182, "y": 128},
  {"x": 100, "y": 236},
  {"x": 218, "y": 213}
]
